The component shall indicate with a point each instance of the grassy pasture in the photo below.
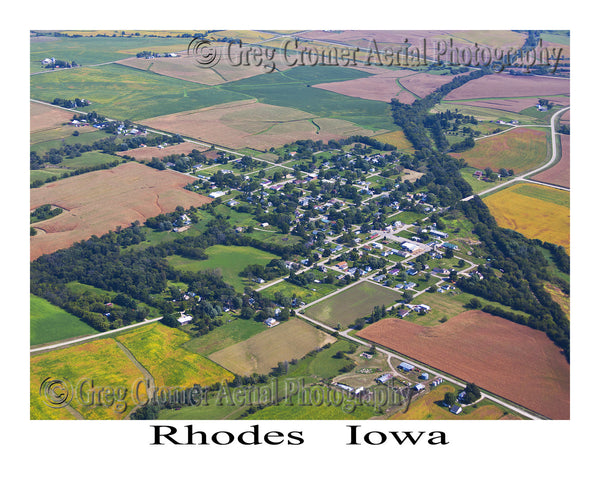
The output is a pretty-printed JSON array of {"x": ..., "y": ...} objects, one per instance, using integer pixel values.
[
  {"x": 158, "y": 348},
  {"x": 351, "y": 304},
  {"x": 49, "y": 323},
  {"x": 533, "y": 210},
  {"x": 101, "y": 361},
  {"x": 230, "y": 260},
  {"x": 260, "y": 353}
]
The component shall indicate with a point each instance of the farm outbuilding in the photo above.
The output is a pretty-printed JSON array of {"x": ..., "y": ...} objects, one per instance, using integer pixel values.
[{"x": 407, "y": 367}]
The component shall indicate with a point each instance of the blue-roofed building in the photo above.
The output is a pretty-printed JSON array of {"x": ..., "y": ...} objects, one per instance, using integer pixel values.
[{"x": 407, "y": 367}]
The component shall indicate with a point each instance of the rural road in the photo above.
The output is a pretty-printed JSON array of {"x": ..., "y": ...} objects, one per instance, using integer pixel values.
[
  {"x": 531, "y": 172},
  {"x": 89, "y": 337}
]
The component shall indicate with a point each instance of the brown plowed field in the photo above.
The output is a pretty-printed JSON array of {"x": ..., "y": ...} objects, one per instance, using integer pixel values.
[
  {"x": 502, "y": 85},
  {"x": 381, "y": 87},
  {"x": 559, "y": 174},
  {"x": 186, "y": 67},
  {"x": 385, "y": 86},
  {"x": 511, "y": 360},
  {"x": 97, "y": 202},
  {"x": 147, "y": 153},
  {"x": 248, "y": 123},
  {"x": 45, "y": 117}
]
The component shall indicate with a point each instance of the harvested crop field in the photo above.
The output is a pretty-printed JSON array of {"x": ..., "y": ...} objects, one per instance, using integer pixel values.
[
  {"x": 559, "y": 174},
  {"x": 514, "y": 105},
  {"x": 147, "y": 153},
  {"x": 185, "y": 67},
  {"x": 535, "y": 211},
  {"x": 97, "y": 202},
  {"x": 397, "y": 139},
  {"x": 45, "y": 117},
  {"x": 382, "y": 87},
  {"x": 519, "y": 149},
  {"x": 403, "y": 85},
  {"x": 260, "y": 353},
  {"x": 248, "y": 123},
  {"x": 504, "y": 85},
  {"x": 511, "y": 360}
]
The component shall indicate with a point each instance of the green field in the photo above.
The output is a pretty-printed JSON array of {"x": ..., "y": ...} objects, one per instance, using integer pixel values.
[
  {"x": 49, "y": 323},
  {"x": 448, "y": 304},
  {"x": 45, "y": 174},
  {"x": 291, "y": 89},
  {"x": 308, "y": 294},
  {"x": 230, "y": 260},
  {"x": 351, "y": 304},
  {"x": 92, "y": 50},
  {"x": 230, "y": 333},
  {"x": 322, "y": 364},
  {"x": 260, "y": 353},
  {"x": 405, "y": 217},
  {"x": 44, "y": 140},
  {"x": 552, "y": 195},
  {"x": 121, "y": 92}
]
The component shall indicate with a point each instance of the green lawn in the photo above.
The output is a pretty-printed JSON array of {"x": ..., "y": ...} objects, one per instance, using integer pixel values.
[
  {"x": 230, "y": 260},
  {"x": 49, "y": 323}
]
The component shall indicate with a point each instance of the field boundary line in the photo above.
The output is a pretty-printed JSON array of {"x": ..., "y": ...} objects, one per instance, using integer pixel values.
[{"x": 90, "y": 337}]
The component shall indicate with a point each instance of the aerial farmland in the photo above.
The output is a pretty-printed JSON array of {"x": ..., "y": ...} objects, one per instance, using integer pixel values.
[{"x": 299, "y": 219}]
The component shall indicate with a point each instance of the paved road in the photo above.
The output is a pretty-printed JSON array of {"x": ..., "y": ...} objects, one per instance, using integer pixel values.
[
  {"x": 531, "y": 172},
  {"x": 90, "y": 337}
]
